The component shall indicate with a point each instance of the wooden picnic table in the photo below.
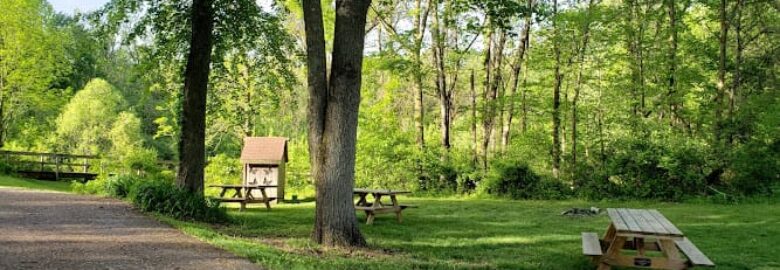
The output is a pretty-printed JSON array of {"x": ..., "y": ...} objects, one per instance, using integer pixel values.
[
  {"x": 642, "y": 230},
  {"x": 243, "y": 194},
  {"x": 377, "y": 206}
]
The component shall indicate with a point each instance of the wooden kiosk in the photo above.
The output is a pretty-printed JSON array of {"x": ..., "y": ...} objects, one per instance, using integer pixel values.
[{"x": 264, "y": 159}]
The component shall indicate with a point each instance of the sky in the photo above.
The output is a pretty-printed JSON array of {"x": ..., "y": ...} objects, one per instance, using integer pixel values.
[{"x": 70, "y": 6}]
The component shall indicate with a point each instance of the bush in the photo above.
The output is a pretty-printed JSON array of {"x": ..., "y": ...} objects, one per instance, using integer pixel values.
[
  {"x": 94, "y": 187},
  {"x": 119, "y": 186},
  {"x": 517, "y": 181},
  {"x": 167, "y": 199},
  {"x": 754, "y": 169},
  {"x": 666, "y": 170}
]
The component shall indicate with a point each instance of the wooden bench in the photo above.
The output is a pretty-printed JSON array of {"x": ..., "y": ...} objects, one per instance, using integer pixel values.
[
  {"x": 591, "y": 245},
  {"x": 695, "y": 256}
]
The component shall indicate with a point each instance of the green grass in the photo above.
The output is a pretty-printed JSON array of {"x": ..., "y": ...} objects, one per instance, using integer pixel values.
[
  {"x": 12, "y": 181},
  {"x": 477, "y": 234},
  {"x": 488, "y": 234}
]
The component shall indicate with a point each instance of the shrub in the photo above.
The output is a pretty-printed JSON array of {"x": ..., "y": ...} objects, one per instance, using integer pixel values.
[
  {"x": 119, "y": 186},
  {"x": 517, "y": 181},
  {"x": 666, "y": 170},
  {"x": 167, "y": 199},
  {"x": 754, "y": 169},
  {"x": 94, "y": 187},
  {"x": 6, "y": 168}
]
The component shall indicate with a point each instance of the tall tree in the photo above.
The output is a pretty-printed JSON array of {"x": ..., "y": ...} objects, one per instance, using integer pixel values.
[
  {"x": 556, "y": 113},
  {"x": 420, "y": 24},
  {"x": 721, "y": 83},
  {"x": 582, "y": 48},
  {"x": 192, "y": 146},
  {"x": 333, "y": 117},
  {"x": 672, "y": 62},
  {"x": 517, "y": 66}
]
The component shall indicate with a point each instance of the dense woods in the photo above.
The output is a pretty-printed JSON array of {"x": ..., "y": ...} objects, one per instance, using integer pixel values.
[{"x": 526, "y": 99}]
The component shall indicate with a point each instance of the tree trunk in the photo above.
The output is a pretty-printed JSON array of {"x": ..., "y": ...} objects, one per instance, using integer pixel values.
[
  {"x": 192, "y": 154},
  {"x": 516, "y": 67},
  {"x": 556, "y": 113},
  {"x": 672, "y": 85},
  {"x": 583, "y": 47},
  {"x": 420, "y": 22},
  {"x": 475, "y": 139},
  {"x": 721, "y": 84},
  {"x": 491, "y": 94},
  {"x": 333, "y": 113},
  {"x": 485, "y": 90},
  {"x": 445, "y": 98},
  {"x": 737, "y": 79}
]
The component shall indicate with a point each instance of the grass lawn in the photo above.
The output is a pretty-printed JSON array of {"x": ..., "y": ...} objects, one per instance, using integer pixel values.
[
  {"x": 12, "y": 181},
  {"x": 488, "y": 234},
  {"x": 477, "y": 234}
]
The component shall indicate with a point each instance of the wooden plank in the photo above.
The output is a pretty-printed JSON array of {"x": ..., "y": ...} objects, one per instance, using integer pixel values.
[
  {"x": 380, "y": 191},
  {"x": 617, "y": 220},
  {"x": 631, "y": 222},
  {"x": 648, "y": 222},
  {"x": 673, "y": 230},
  {"x": 243, "y": 186},
  {"x": 695, "y": 256},
  {"x": 590, "y": 244},
  {"x": 23, "y": 153}
]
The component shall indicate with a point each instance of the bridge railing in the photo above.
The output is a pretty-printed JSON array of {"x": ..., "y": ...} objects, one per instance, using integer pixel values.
[{"x": 80, "y": 166}]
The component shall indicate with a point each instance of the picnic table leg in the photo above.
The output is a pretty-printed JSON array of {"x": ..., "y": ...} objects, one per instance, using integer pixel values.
[
  {"x": 397, "y": 208},
  {"x": 243, "y": 207},
  {"x": 377, "y": 200},
  {"x": 222, "y": 194},
  {"x": 612, "y": 252},
  {"x": 669, "y": 249},
  {"x": 362, "y": 201},
  {"x": 608, "y": 236},
  {"x": 265, "y": 199},
  {"x": 369, "y": 217},
  {"x": 237, "y": 194}
]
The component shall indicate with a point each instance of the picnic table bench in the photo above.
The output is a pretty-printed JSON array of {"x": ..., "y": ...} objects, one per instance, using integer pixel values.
[
  {"x": 642, "y": 230},
  {"x": 377, "y": 206},
  {"x": 243, "y": 194}
]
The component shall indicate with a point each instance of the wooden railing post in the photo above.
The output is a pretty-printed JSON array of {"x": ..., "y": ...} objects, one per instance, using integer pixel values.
[{"x": 57, "y": 167}]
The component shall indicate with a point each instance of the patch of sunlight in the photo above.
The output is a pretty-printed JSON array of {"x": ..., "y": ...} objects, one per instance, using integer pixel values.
[
  {"x": 525, "y": 239},
  {"x": 496, "y": 240},
  {"x": 714, "y": 217}
]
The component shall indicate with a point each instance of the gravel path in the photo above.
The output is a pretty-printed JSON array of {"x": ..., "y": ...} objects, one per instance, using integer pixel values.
[{"x": 49, "y": 230}]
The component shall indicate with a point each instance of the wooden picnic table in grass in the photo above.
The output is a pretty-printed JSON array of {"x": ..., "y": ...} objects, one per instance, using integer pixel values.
[
  {"x": 377, "y": 206},
  {"x": 644, "y": 232},
  {"x": 243, "y": 194}
]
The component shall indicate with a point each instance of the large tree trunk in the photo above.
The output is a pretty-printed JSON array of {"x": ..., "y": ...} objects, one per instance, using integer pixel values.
[
  {"x": 556, "y": 113},
  {"x": 515, "y": 79},
  {"x": 333, "y": 113},
  {"x": 192, "y": 153}
]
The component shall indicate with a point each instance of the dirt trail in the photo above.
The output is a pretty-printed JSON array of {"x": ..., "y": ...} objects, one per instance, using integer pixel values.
[{"x": 49, "y": 230}]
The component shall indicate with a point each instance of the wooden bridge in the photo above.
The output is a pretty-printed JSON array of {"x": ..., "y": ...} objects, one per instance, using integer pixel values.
[{"x": 52, "y": 166}]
